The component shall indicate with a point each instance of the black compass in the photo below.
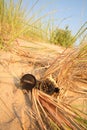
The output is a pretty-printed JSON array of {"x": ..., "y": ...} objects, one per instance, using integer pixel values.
[{"x": 28, "y": 82}]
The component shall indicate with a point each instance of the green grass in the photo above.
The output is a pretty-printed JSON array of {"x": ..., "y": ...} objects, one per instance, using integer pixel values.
[
  {"x": 12, "y": 22},
  {"x": 62, "y": 37},
  {"x": 15, "y": 23}
]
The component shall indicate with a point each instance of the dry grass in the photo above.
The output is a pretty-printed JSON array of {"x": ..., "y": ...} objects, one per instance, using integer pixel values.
[
  {"x": 70, "y": 71},
  {"x": 69, "y": 111},
  {"x": 43, "y": 112}
]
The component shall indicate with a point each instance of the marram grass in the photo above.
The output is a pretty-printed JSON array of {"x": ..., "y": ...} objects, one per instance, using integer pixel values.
[
  {"x": 55, "y": 115},
  {"x": 61, "y": 113},
  {"x": 15, "y": 23}
]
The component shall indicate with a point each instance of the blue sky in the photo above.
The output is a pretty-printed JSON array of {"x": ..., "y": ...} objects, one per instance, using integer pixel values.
[{"x": 73, "y": 11}]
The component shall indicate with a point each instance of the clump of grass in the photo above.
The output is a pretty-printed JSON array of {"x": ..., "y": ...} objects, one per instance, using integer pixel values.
[
  {"x": 54, "y": 114},
  {"x": 62, "y": 37},
  {"x": 14, "y": 23},
  {"x": 70, "y": 69}
]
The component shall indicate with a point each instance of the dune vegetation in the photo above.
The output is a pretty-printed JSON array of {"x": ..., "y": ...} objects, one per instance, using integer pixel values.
[{"x": 27, "y": 46}]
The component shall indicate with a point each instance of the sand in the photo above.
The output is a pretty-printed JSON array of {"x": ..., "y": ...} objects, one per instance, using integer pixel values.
[{"x": 23, "y": 57}]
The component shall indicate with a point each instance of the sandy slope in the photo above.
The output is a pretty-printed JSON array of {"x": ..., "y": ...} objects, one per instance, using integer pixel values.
[{"x": 24, "y": 57}]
